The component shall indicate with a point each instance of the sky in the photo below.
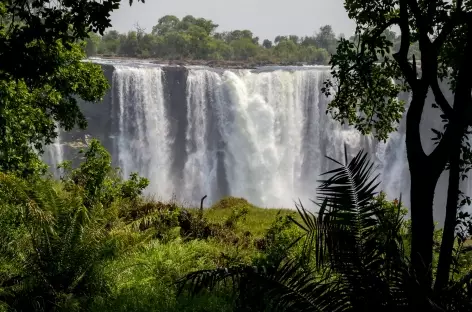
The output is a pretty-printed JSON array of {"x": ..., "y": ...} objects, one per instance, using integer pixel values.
[{"x": 265, "y": 18}]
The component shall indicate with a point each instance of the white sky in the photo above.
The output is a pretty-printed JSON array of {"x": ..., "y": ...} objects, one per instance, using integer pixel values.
[{"x": 265, "y": 18}]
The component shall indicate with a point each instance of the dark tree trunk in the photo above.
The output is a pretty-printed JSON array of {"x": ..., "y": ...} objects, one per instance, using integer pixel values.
[
  {"x": 422, "y": 225},
  {"x": 457, "y": 126},
  {"x": 447, "y": 244},
  {"x": 423, "y": 183}
]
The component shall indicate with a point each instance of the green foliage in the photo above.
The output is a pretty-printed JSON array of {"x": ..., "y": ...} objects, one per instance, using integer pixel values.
[
  {"x": 144, "y": 280},
  {"x": 92, "y": 43},
  {"x": 231, "y": 202},
  {"x": 42, "y": 73},
  {"x": 278, "y": 241},
  {"x": 65, "y": 246},
  {"x": 197, "y": 39},
  {"x": 134, "y": 186},
  {"x": 98, "y": 182},
  {"x": 56, "y": 240},
  {"x": 31, "y": 29},
  {"x": 365, "y": 91},
  {"x": 326, "y": 38},
  {"x": 235, "y": 216},
  {"x": 28, "y": 112},
  {"x": 157, "y": 218},
  {"x": 54, "y": 247}
]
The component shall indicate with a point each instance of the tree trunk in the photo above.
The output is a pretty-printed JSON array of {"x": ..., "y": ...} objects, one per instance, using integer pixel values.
[
  {"x": 458, "y": 126},
  {"x": 422, "y": 225},
  {"x": 424, "y": 176},
  {"x": 447, "y": 244}
]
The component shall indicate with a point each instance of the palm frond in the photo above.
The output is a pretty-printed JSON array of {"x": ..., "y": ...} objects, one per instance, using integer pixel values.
[
  {"x": 350, "y": 233},
  {"x": 316, "y": 232},
  {"x": 284, "y": 287},
  {"x": 348, "y": 194}
]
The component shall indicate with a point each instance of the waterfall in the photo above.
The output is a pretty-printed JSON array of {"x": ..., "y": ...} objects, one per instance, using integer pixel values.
[
  {"x": 258, "y": 134},
  {"x": 143, "y": 144},
  {"x": 55, "y": 152}
]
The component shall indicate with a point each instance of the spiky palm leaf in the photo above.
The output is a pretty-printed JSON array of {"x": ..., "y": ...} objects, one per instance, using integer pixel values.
[
  {"x": 286, "y": 286},
  {"x": 354, "y": 238}
]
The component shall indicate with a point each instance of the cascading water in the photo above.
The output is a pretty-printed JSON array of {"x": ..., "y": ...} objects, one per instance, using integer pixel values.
[
  {"x": 142, "y": 144},
  {"x": 257, "y": 134},
  {"x": 55, "y": 152}
]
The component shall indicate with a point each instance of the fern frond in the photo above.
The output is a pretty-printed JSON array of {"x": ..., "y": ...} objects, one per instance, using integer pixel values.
[{"x": 285, "y": 287}]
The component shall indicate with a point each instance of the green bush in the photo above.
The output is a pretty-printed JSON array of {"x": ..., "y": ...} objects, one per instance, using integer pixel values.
[
  {"x": 56, "y": 248},
  {"x": 145, "y": 280},
  {"x": 277, "y": 243},
  {"x": 97, "y": 182},
  {"x": 149, "y": 216},
  {"x": 55, "y": 240}
]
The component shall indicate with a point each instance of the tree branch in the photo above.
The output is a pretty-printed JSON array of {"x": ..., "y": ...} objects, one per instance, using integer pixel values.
[
  {"x": 429, "y": 53},
  {"x": 462, "y": 102},
  {"x": 402, "y": 55},
  {"x": 415, "y": 9},
  {"x": 456, "y": 18},
  {"x": 381, "y": 29},
  {"x": 445, "y": 31},
  {"x": 376, "y": 32},
  {"x": 440, "y": 98}
]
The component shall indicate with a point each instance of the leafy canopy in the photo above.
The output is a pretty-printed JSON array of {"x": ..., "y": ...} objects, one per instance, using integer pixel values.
[
  {"x": 368, "y": 73},
  {"x": 42, "y": 74}
]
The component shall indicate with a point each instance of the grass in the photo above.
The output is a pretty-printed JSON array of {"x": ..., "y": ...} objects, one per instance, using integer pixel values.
[
  {"x": 144, "y": 278},
  {"x": 257, "y": 220}
]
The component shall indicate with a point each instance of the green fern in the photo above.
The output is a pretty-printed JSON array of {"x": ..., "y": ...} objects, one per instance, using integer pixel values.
[{"x": 63, "y": 247}]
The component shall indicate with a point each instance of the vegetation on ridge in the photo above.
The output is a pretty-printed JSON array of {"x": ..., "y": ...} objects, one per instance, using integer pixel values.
[
  {"x": 192, "y": 38},
  {"x": 197, "y": 40}
]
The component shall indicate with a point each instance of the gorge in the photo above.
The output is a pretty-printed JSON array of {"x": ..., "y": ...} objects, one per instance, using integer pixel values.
[{"x": 261, "y": 134}]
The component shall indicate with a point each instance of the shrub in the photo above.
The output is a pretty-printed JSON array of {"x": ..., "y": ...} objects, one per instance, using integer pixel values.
[
  {"x": 278, "y": 240},
  {"x": 150, "y": 216},
  {"x": 231, "y": 202},
  {"x": 55, "y": 240},
  {"x": 97, "y": 182},
  {"x": 55, "y": 245}
]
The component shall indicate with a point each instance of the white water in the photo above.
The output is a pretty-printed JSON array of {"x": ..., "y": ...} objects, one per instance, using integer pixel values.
[
  {"x": 55, "y": 153},
  {"x": 258, "y": 135},
  {"x": 142, "y": 143}
]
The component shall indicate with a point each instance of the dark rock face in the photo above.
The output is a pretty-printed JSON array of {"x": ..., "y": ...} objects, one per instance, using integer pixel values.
[{"x": 175, "y": 86}]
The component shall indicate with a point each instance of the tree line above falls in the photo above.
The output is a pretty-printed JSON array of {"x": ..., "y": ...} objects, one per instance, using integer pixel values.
[{"x": 191, "y": 38}]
